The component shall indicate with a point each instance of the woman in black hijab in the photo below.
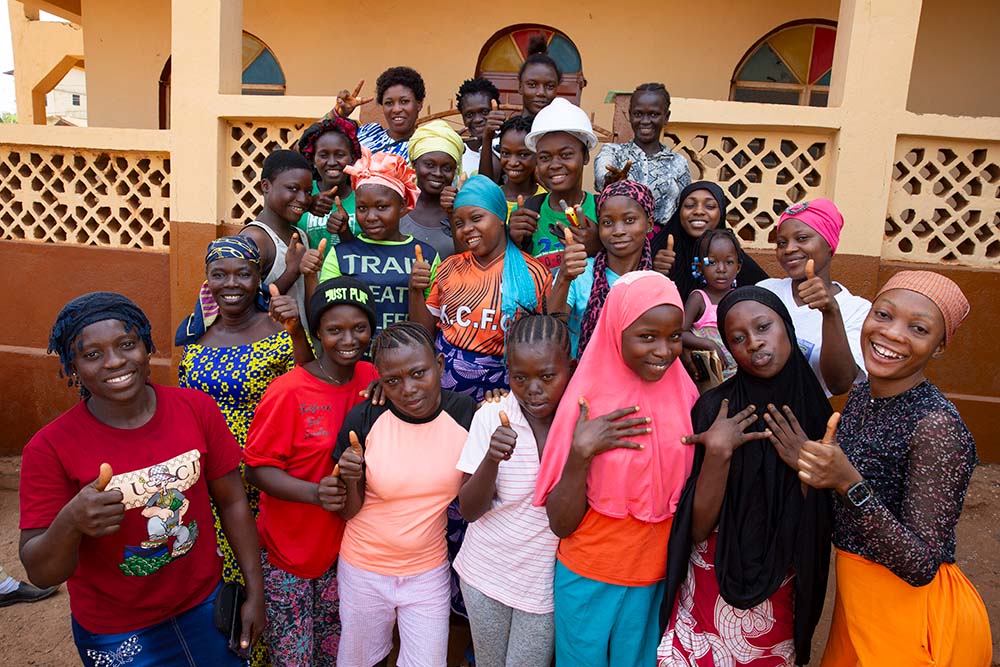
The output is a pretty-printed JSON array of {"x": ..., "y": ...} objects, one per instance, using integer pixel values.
[
  {"x": 746, "y": 529},
  {"x": 702, "y": 205}
]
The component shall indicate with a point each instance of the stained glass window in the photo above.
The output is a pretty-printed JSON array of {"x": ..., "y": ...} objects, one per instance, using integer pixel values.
[
  {"x": 791, "y": 65},
  {"x": 262, "y": 74}
]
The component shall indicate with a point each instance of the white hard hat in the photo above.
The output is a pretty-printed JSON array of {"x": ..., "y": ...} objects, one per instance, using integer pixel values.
[{"x": 562, "y": 116}]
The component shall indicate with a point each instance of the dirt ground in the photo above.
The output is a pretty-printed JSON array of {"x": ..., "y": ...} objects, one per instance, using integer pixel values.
[{"x": 39, "y": 634}]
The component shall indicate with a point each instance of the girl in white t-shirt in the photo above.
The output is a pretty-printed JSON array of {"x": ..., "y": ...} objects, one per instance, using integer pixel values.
[
  {"x": 508, "y": 557},
  {"x": 827, "y": 317}
]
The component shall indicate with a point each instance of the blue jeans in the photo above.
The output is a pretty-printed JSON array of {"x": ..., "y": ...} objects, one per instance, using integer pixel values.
[{"x": 189, "y": 639}]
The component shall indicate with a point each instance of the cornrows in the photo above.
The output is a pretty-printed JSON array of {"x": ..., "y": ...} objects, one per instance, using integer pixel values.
[
  {"x": 537, "y": 329},
  {"x": 658, "y": 88},
  {"x": 401, "y": 334}
]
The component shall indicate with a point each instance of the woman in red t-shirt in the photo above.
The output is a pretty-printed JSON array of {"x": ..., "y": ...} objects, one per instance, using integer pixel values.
[{"x": 164, "y": 455}]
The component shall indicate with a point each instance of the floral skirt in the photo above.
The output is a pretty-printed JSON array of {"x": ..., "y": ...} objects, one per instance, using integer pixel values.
[{"x": 471, "y": 373}]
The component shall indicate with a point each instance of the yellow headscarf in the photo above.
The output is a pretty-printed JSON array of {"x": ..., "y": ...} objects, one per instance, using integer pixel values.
[{"x": 437, "y": 135}]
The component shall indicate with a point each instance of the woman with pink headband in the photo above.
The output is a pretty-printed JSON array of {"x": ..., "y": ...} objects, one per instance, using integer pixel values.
[{"x": 827, "y": 317}]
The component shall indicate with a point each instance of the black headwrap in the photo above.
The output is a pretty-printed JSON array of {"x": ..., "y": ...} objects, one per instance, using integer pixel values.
[
  {"x": 766, "y": 526},
  {"x": 685, "y": 245},
  {"x": 86, "y": 310}
]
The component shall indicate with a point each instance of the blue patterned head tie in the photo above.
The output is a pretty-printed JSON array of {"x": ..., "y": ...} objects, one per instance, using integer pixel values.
[{"x": 233, "y": 247}]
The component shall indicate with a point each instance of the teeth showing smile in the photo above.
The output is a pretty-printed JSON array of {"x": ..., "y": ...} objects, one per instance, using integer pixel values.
[
  {"x": 885, "y": 353},
  {"x": 120, "y": 379},
  {"x": 231, "y": 298},
  {"x": 349, "y": 353}
]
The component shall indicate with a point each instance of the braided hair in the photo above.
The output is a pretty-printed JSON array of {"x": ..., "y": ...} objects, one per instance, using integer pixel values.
[
  {"x": 538, "y": 329},
  {"x": 705, "y": 242},
  {"x": 86, "y": 310},
  {"x": 401, "y": 334},
  {"x": 657, "y": 88}
]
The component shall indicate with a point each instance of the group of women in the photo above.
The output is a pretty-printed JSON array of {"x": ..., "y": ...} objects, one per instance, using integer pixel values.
[{"x": 476, "y": 395}]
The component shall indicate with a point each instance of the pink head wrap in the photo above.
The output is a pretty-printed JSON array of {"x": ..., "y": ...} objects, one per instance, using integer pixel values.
[
  {"x": 386, "y": 169},
  {"x": 643, "y": 483},
  {"x": 945, "y": 294},
  {"x": 819, "y": 214}
]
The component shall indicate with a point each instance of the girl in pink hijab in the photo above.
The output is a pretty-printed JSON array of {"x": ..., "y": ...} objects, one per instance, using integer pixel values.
[{"x": 612, "y": 473}]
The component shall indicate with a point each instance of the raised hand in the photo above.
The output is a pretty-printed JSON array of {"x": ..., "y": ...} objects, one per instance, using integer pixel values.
[
  {"x": 312, "y": 259},
  {"x": 523, "y": 222},
  {"x": 283, "y": 309},
  {"x": 348, "y": 101},
  {"x": 322, "y": 203},
  {"x": 94, "y": 511},
  {"x": 787, "y": 435},
  {"x": 611, "y": 431},
  {"x": 663, "y": 260},
  {"x": 614, "y": 175},
  {"x": 352, "y": 460},
  {"x": 823, "y": 465},
  {"x": 815, "y": 292},
  {"x": 727, "y": 434},
  {"x": 503, "y": 441},
  {"x": 339, "y": 220},
  {"x": 294, "y": 254},
  {"x": 449, "y": 193},
  {"x": 494, "y": 119},
  {"x": 420, "y": 273},
  {"x": 574, "y": 261}
]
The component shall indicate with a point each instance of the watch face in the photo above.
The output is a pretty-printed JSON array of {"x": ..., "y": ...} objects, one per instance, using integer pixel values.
[{"x": 859, "y": 494}]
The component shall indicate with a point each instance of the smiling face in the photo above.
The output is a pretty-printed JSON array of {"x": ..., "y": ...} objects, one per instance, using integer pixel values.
[
  {"x": 537, "y": 86},
  {"x": 622, "y": 225},
  {"x": 481, "y": 231},
  {"x": 435, "y": 171},
  {"x": 344, "y": 332},
  {"x": 539, "y": 374},
  {"x": 111, "y": 363},
  {"x": 757, "y": 339},
  {"x": 723, "y": 264},
  {"x": 516, "y": 161},
  {"x": 647, "y": 115},
  {"x": 699, "y": 212},
  {"x": 411, "y": 379},
  {"x": 233, "y": 283},
  {"x": 288, "y": 194},
  {"x": 561, "y": 158},
  {"x": 796, "y": 244},
  {"x": 400, "y": 108},
  {"x": 378, "y": 210},
  {"x": 903, "y": 331},
  {"x": 333, "y": 153},
  {"x": 475, "y": 108},
  {"x": 653, "y": 341}
]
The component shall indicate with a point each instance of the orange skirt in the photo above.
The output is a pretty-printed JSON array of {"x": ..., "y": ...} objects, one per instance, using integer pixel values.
[{"x": 879, "y": 620}]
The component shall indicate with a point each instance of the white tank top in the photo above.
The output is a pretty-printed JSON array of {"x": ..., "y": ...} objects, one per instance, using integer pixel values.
[{"x": 298, "y": 288}]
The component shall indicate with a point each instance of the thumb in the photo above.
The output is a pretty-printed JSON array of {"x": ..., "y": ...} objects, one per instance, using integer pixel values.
[
  {"x": 670, "y": 242},
  {"x": 584, "y": 409},
  {"x": 295, "y": 240},
  {"x": 831, "y": 426},
  {"x": 520, "y": 201},
  {"x": 420, "y": 253},
  {"x": 504, "y": 420},
  {"x": 355, "y": 443},
  {"x": 493, "y": 105},
  {"x": 336, "y": 470},
  {"x": 321, "y": 247},
  {"x": 329, "y": 192},
  {"x": 104, "y": 477},
  {"x": 336, "y": 200},
  {"x": 273, "y": 290},
  {"x": 810, "y": 269}
]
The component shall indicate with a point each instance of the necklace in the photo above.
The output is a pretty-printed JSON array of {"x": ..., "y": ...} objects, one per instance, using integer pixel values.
[{"x": 319, "y": 362}]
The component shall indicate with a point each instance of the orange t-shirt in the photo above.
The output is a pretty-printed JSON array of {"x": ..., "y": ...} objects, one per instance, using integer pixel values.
[
  {"x": 465, "y": 297},
  {"x": 624, "y": 552}
]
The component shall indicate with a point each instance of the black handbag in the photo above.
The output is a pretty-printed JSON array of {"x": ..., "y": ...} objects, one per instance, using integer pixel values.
[{"x": 228, "y": 603}]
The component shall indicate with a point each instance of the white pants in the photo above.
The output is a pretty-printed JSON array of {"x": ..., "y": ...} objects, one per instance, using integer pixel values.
[{"x": 370, "y": 604}]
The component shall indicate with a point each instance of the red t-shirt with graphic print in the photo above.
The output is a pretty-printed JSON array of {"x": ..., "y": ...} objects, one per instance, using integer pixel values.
[{"x": 163, "y": 560}]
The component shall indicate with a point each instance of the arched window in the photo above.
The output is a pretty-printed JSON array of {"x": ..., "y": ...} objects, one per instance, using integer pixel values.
[
  {"x": 790, "y": 65},
  {"x": 505, "y": 52},
  {"x": 262, "y": 74}
]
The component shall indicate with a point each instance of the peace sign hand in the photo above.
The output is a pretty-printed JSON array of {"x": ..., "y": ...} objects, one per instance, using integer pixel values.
[
  {"x": 596, "y": 436},
  {"x": 727, "y": 434},
  {"x": 347, "y": 101},
  {"x": 614, "y": 175}
]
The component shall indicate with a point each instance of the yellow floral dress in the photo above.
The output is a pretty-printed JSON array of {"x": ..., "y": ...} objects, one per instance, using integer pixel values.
[{"x": 236, "y": 377}]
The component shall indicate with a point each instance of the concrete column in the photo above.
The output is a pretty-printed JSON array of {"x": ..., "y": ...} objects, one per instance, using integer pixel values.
[{"x": 871, "y": 81}]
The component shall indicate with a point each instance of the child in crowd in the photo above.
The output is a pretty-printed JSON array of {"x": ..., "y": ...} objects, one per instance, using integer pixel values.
[
  {"x": 398, "y": 462},
  {"x": 517, "y": 162},
  {"x": 436, "y": 156},
  {"x": 331, "y": 145},
  {"x": 286, "y": 180},
  {"x": 477, "y": 293},
  {"x": 611, "y": 475},
  {"x": 582, "y": 283},
  {"x": 561, "y": 137},
  {"x": 644, "y": 158},
  {"x": 507, "y": 559},
  {"x": 475, "y": 98},
  {"x": 717, "y": 262},
  {"x": 380, "y": 256},
  {"x": 289, "y": 457}
]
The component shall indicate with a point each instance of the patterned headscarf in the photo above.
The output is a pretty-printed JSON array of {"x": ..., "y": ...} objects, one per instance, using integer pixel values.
[
  {"x": 307, "y": 144},
  {"x": 206, "y": 310},
  {"x": 386, "y": 169},
  {"x": 599, "y": 292},
  {"x": 945, "y": 294}
]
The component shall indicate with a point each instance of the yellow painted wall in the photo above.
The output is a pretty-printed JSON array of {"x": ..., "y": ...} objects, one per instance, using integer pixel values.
[{"x": 955, "y": 63}]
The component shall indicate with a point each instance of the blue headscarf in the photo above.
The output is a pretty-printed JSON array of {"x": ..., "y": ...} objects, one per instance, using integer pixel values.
[
  {"x": 517, "y": 289},
  {"x": 206, "y": 310}
]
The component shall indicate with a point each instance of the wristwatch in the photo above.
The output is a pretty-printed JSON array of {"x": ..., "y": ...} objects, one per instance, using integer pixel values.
[{"x": 859, "y": 494}]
